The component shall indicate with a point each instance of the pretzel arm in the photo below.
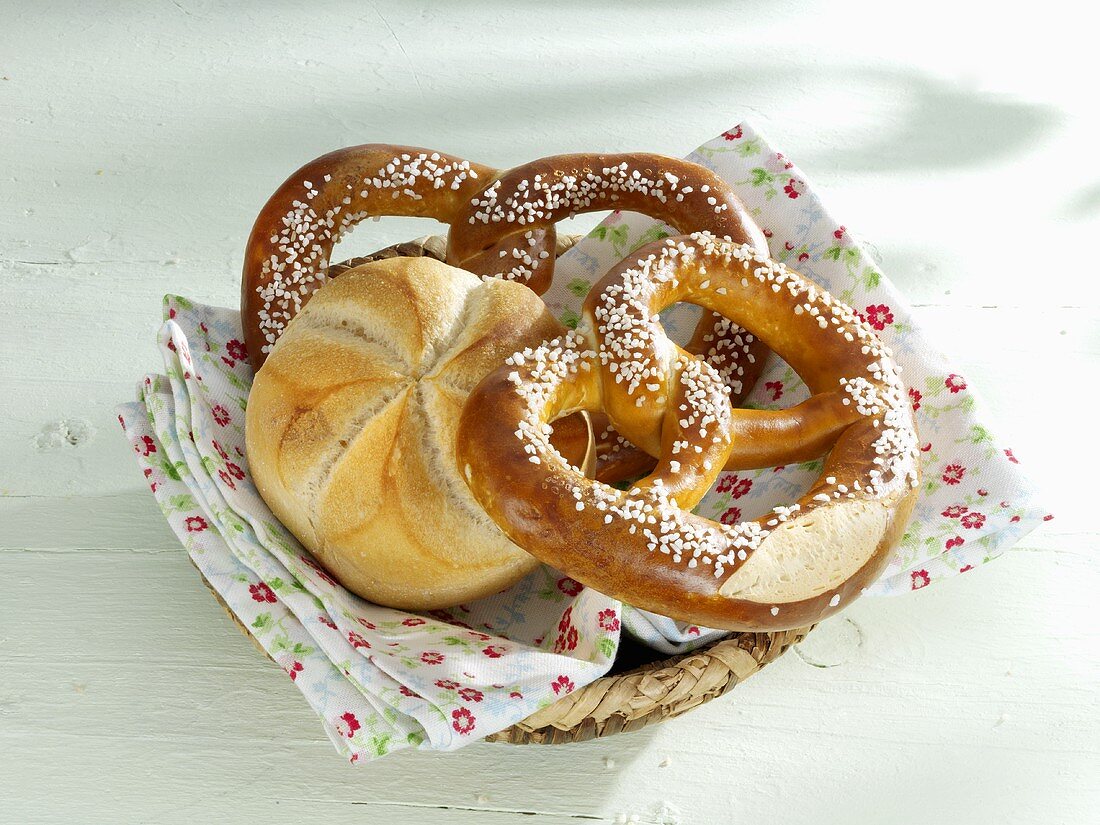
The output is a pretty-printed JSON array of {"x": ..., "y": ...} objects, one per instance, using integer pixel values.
[
  {"x": 768, "y": 438},
  {"x": 291, "y": 244},
  {"x": 525, "y": 255},
  {"x": 737, "y": 354}
]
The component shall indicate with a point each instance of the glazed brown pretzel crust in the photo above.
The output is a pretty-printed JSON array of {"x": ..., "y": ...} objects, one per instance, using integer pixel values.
[
  {"x": 512, "y": 209},
  {"x": 789, "y": 568},
  {"x": 502, "y": 223},
  {"x": 291, "y": 244}
]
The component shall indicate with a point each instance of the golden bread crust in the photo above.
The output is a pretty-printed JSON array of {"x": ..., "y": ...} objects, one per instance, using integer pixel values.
[{"x": 351, "y": 424}]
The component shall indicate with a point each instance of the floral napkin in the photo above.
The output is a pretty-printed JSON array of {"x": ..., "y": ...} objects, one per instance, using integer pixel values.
[{"x": 383, "y": 679}]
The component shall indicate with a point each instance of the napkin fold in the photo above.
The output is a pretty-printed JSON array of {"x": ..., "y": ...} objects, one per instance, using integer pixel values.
[{"x": 383, "y": 679}]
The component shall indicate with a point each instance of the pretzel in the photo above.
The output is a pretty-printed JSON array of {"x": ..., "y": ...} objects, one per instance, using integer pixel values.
[
  {"x": 791, "y": 567},
  {"x": 290, "y": 248},
  {"x": 491, "y": 236},
  {"x": 525, "y": 202}
]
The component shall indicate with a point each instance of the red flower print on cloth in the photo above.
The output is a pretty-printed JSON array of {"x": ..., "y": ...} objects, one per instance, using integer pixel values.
[
  {"x": 733, "y": 485},
  {"x": 1048, "y": 517},
  {"x": 777, "y": 163},
  {"x": 733, "y": 134},
  {"x": 983, "y": 492},
  {"x": 794, "y": 188},
  {"x": 919, "y": 579},
  {"x": 145, "y": 446},
  {"x": 262, "y": 593},
  {"x": 404, "y": 691},
  {"x": 879, "y": 315},
  {"x": 326, "y": 621},
  {"x": 1011, "y": 457},
  {"x": 318, "y": 569},
  {"x": 462, "y": 720},
  {"x": 563, "y": 684},
  {"x": 413, "y": 621},
  {"x": 347, "y": 725},
  {"x": 227, "y": 479},
  {"x": 219, "y": 449},
  {"x": 955, "y": 383},
  {"x": 692, "y": 630},
  {"x": 366, "y": 624},
  {"x": 608, "y": 619},
  {"x": 494, "y": 651},
  {"x": 731, "y": 516},
  {"x": 567, "y": 638},
  {"x": 237, "y": 350},
  {"x": 842, "y": 236},
  {"x": 566, "y": 618},
  {"x": 357, "y": 641},
  {"x": 954, "y": 511},
  {"x": 294, "y": 668},
  {"x": 952, "y": 543},
  {"x": 972, "y": 521},
  {"x": 775, "y": 388},
  {"x": 446, "y": 684},
  {"x": 221, "y": 414},
  {"x": 953, "y": 473},
  {"x": 470, "y": 694},
  {"x": 234, "y": 470},
  {"x": 569, "y": 587},
  {"x": 914, "y": 398},
  {"x": 195, "y": 524},
  {"x": 431, "y": 657}
]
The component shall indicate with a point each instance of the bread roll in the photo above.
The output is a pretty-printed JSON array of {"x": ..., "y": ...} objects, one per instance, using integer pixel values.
[{"x": 351, "y": 428}]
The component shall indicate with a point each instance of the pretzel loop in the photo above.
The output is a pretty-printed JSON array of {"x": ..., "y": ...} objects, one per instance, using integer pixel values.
[
  {"x": 499, "y": 233},
  {"x": 793, "y": 566},
  {"x": 291, "y": 244},
  {"x": 531, "y": 198}
]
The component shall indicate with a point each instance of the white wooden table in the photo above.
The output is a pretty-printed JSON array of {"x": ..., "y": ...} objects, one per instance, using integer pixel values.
[{"x": 137, "y": 142}]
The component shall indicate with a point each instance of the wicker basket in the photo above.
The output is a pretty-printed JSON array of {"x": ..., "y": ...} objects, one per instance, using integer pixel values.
[{"x": 640, "y": 690}]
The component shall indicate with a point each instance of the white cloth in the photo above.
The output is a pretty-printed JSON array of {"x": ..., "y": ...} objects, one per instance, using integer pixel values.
[{"x": 383, "y": 679}]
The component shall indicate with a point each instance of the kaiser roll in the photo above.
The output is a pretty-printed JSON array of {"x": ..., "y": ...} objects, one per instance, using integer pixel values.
[{"x": 351, "y": 428}]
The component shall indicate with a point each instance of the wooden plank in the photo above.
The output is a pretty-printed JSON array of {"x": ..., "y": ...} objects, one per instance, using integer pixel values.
[{"x": 953, "y": 686}]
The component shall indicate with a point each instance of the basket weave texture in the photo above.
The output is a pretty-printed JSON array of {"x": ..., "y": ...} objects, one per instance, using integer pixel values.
[{"x": 635, "y": 698}]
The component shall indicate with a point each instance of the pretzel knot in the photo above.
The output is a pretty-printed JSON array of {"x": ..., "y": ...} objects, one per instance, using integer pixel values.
[
  {"x": 501, "y": 225},
  {"x": 791, "y": 567}
]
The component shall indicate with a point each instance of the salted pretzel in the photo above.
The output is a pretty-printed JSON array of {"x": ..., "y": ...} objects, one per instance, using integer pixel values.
[
  {"x": 789, "y": 568},
  {"x": 289, "y": 250},
  {"x": 502, "y": 223},
  {"x": 518, "y": 207}
]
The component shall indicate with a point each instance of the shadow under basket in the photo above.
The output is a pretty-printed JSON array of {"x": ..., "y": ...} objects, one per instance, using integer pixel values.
[{"x": 640, "y": 689}]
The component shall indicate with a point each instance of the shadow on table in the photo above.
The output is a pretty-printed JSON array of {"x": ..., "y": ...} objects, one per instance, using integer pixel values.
[{"x": 927, "y": 123}]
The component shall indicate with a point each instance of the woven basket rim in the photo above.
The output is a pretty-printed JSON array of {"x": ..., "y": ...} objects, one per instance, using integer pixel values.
[{"x": 633, "y": 699}]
